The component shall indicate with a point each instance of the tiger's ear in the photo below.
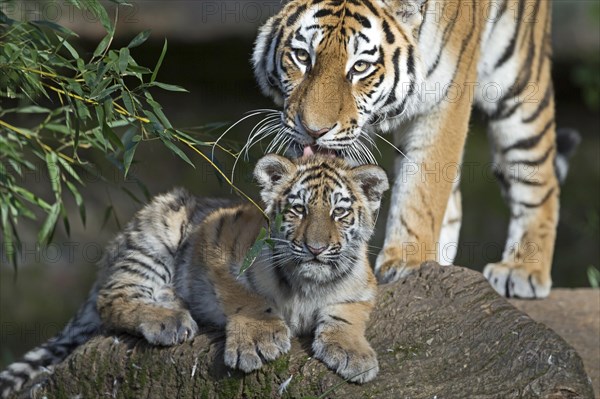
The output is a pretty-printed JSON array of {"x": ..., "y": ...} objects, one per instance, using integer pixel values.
[
  {"x": 409, "y": 12},
  {"x": 373, "y": 182},
  {"x": 270, "y": 171}
]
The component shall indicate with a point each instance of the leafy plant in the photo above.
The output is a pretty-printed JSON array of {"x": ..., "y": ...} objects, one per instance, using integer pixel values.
[{"x": 74, "y": 106}]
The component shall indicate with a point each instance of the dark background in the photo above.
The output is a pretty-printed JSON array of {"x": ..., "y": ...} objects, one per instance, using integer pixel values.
[{"x": 210, "y": 44}]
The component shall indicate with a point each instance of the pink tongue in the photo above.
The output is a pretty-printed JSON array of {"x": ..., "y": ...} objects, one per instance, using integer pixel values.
[
  {"x": 308, "y": 150},
  {"x": 313, "y": 149}
]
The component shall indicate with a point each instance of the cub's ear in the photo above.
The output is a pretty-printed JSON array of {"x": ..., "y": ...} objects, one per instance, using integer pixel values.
[
  {"x": 373, "y": 182},
  {"x": 271, "y": 170}
]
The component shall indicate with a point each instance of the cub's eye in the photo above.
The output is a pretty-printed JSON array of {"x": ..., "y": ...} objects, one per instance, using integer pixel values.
[
  {"x": 360, "y": 67},
  {"x": 339, "y": 212},
  {"x": 298, "y": 209},
  {"x": 302, "y": 56}
]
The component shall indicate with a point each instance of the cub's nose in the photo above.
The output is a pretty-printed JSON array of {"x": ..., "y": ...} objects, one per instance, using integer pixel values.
[{"x": 316, "y": 250}]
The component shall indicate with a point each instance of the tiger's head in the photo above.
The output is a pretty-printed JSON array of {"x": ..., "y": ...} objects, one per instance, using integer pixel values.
[
  {"x": 328, "y": 212},
  {"x": 339, "y": 69}
]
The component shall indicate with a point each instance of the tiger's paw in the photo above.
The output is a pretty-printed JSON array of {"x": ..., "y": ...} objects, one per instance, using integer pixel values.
[
  {"x": 355, "y": 361},
  {"x": 515, "y": 281},
  {"x": 391, "y": 269},
  {"x": 250, "y": 342},
  {"x": 169, "y": 328}
]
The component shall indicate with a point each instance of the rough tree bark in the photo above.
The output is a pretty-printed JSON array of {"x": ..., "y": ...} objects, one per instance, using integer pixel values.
[{"x": 440, "y": 333}]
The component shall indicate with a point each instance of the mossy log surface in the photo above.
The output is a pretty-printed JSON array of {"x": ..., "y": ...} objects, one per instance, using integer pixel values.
[{"x": 439, "y": 333}]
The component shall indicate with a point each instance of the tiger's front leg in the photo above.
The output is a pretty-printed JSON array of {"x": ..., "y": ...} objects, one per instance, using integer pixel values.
[{"x": 434, "y": 145}]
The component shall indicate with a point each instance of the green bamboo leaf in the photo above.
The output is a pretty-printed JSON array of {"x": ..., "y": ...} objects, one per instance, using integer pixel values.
[
  {"x": 49, "y": 224},
  {"x": 102, "y": 45},
  {"x": 31, "y": 109},
  {"x": 130, "y": 141},
  {"x": 128, "y": 102},
  {"x": 31, "y": 197},
  {"x": 7, "y": 235},
  {"x": 139, "y": 39},
  {"x": 160, "y": 61},
  {"x": 112, "y": 136},
  {"x": 54, "y": 173},
  {"x": 66, "y": 166},
  {"x": 156, "y": 107},
  {"x": 123, "y": 59},
  {"x": 65, "y": 218},
  {"x": 254, "y": 251},
  {"x": 169, "y": 87},
  {"x": 56, "y": 27},
  {"x": 78, "y": 200},
  {"x": 71, "y": 49},
  {"x": 177, "y": 151},
  {"x": 278, "y": 222}
]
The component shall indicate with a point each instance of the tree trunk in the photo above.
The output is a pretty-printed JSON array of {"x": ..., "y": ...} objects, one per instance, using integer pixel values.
[{"x": 440, "y": 333}]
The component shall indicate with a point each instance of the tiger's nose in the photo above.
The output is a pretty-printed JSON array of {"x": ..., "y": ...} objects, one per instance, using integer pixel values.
[
  {"x": 314, "y": 132},
  {"x": 316, "y": 250}
]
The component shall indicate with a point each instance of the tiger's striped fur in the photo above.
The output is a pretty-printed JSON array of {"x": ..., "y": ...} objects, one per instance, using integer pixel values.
[
  {"x": 177, "y": 263},
  {"x": 343, "y": 69}
]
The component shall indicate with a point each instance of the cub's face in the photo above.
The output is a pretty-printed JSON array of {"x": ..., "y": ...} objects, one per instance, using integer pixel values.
[
  {"x": 328, "y": 212},
  {"x": 339, "y": 68}
]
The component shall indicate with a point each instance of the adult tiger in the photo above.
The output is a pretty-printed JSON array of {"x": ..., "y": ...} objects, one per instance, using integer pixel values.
[{"x": 342, "y": 68}]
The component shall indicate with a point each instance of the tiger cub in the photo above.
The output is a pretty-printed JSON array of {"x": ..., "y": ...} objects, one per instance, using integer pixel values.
[{"x": 177, "y": 265}]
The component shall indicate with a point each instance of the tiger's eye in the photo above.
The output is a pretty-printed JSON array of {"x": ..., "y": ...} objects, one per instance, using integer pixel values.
[
  {"x": 360, "y": 67},
  {"x": 298, "y": 209},
  {"x": 339, "y": 212},
  {"x": 302, "y": 56}
]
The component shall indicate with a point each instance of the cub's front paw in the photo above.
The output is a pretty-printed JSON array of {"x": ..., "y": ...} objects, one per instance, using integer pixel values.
[
  {"x": 516, "y": 281},
  {"x": 250, "y": 342},
  {"x": 355, "y": 361},
  {"x": 169, "y": 327}
]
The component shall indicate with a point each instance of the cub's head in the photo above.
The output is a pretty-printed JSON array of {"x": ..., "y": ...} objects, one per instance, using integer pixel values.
[
  {"x": 328, "y": 208},
  {"x": 339, "y": 68}
]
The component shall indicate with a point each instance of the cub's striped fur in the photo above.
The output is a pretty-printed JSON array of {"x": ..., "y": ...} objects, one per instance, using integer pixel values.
[
  {"x": 346, "y": 68},
  {"x": 176, "y": 265}
]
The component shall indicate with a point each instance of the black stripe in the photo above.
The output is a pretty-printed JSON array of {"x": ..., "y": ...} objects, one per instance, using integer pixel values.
[
  {"x": 538, "y": 204},
  {"x": 368, "y": 4},
  {"x": 219, "y": 230},
  {"x": 395, "y": 60},
  {"x": 323, "y": 13},
  {"x": 542, "y": 106},
  {"x": 389, "y": 36},
  {"x": 425, "y": 8},
  {"x": 144, "y": 251},
  {"x": 532, "y": 286},
  {"x": 445, "y": 37},
  {"x": 337, "y": 318},
  {"x": 145, "y": 266},
  {"x": 237, "y": 214},
  {"x": 510, "y": 49},
  {"x": 361, "y": 19},
  {"x": 535, "y": 162},
  {"x": 114, "y": 286},
  {"x": 294, "y": 17},
  {"x": 530, "y": 142}
]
